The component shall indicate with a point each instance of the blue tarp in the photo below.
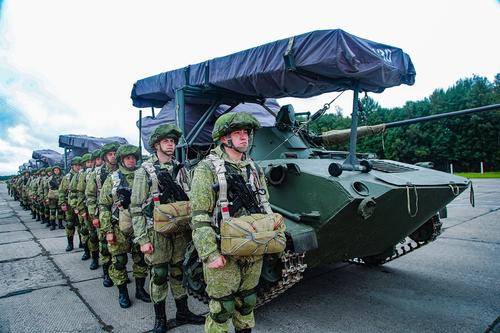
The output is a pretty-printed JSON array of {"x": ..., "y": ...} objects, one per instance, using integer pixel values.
[
  {"x": 48, "y": 156},
  {"x": 194, "y": 112},
  {"x": 82, "y": 144},
  {"x": 325, "y": 61}
]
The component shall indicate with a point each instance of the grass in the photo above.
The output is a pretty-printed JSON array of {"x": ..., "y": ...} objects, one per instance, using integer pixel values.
[{"x": 495, "y": 174}]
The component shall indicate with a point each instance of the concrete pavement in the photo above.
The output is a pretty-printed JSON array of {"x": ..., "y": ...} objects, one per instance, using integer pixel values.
[{"x": 451, "y": 285}]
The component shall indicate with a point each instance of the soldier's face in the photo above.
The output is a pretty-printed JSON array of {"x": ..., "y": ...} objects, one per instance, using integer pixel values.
[
  {"x": 240, "y": 139},
  {"x": 57, "y": 171},
  {"x": 77, "y": 167},
  {"x": 129, "y": 161},
  {"x": 89, "y": 164},
  {"x": 49, "y": 174},
  {"x": 166, "y": 146},
  {"x": 98, "y": 161},
  {"x": 111, "y": 157}
]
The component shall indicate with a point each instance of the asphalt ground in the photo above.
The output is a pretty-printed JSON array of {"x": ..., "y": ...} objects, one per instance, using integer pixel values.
[{"x": 450, "y": 285}]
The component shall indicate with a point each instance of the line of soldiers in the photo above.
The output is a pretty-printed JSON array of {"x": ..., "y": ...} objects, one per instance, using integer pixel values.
[{"x": 113, "y": 206}]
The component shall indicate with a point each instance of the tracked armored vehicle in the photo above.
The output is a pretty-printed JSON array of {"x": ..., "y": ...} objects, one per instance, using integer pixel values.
[{"x": 338, "y": 205}]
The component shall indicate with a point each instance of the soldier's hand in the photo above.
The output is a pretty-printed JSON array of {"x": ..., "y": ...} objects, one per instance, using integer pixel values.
[
  {"x": 76, "y": 211},
  {"x": 96, "y": 223},
  {"x": 110, "y": 238},
  {"x": 217, "y": 263},
  {"x": 147, "y": 248}
]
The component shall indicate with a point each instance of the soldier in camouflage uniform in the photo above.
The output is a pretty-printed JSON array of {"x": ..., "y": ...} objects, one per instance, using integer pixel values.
[
  {"x": 231, "y": 281},
  {"x": 44, "y": 194},
  {"x": 22, "y": 184},
  {"x": 55, "y": 210},
  {"x": 93, "y": 240},
  {"x": 164, "y": 254},
  {"x": 81, "y": 209},
  {"x": 65, "y": 201},
  {"x": 92, "y": 192},
  {"x": 116, "y": 223},
  {"x": 32, "y": 194}
]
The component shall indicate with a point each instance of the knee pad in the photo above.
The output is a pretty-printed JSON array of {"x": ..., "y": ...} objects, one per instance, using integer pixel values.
[
  {"x": 226, "y": 309},
  {"x": 93, "y": 237},
  {"x": 248, "y": 300},
  {"x": 120, "y": 262},
  {"x": 104, "y": 249},
  {"x": 160, "y": 274},
  {"x": 176, "y": 272}
]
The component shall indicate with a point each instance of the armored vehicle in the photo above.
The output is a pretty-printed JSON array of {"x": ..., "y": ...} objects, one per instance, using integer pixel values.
[{"x": 338, "y": 205}]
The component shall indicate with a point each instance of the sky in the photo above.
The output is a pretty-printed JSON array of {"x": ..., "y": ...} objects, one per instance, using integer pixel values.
[{"x": 68, "y": 66}]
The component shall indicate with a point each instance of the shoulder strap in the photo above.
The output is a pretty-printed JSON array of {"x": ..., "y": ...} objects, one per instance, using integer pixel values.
[
  {"x": 151, "y": 171},
  {"x": 255, "y": 181},
  {"x": 220, "y": 172},
  {"x": 115, "y": 178}
]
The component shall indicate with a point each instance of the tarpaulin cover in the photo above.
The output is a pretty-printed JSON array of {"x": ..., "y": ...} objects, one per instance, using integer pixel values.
[
  {"x": 82, "y": 144},
  {"x": 194, "y": 112},
  {"x": 261, "y": 72},
  {"x": 48, "y": 156}
]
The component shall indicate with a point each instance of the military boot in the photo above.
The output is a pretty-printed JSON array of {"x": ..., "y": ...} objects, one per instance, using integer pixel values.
[
  {"x": 49, "y": 224},
  {"x": 53, "y": 225},
  {"x": 140, "y": 293},
  {"x": 33, "y": 214},
  {"x": 60, "y": 225},
  {"x": 184, "y": 315},
  {"x": 38, "y": 217},
  {"x": 123, "y": 298},
  {"x": 245, "y": 330},
  {"x": 95, "y": 260},
  {"x": 86, "y": 252},
  {"x": 106, "y": 282},
  {"x": 80, "y": 244},
  {"x": 70, "y": 244},
  {"x": 160, "y": 318}
]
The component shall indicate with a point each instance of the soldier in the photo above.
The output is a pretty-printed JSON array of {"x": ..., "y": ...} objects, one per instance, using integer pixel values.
[
  {"x": 22, "y": 185},
  {"x": 65, "y": 201},
  {"x": 92, "y": 192},
  {"x": 81, "y": 209},
  {"x": 164, "y": 254},
  {"x": 231, "y": 280},
  {"x": 93, "y": 241},
  {"x": 55, "y": 210},
  {"x": 116, "y": 223},
  {"x": 44, "y": 194},
  {"x": 32, "y": 189}
]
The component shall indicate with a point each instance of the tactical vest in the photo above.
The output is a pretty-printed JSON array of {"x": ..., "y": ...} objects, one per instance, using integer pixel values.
[
  {"x": 253, "y": 234},
  {"x": 124, "y": 217},
  {"x": 168, "y": 215}
]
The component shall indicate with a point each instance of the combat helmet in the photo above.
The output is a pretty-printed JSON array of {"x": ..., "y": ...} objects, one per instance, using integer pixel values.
[
  {"x": 48, "y": 169},
  {"x": 85, "y": 158},
  {"x": 113, "y": 146},
  {"x": 126, "y": 150},
  {"x": 164, "y": 131},
  {"x": 76, "y": 160},
  {"x": 56, "y": 167},
  {"x": 233, "y": 121},
  {"x": 96, "y": 154}
]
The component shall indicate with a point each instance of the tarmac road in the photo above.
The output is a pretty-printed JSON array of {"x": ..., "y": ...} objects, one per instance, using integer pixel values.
[{"x": 451, "y": 285}]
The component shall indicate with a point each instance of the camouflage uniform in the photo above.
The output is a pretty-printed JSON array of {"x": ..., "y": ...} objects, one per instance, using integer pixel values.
[
  {"x": 232, "y": 287},
  {"x": 92, "y": 192},
  {"x": 32, "y": 189},
  {"x": 45, "y": 193},
  {"x": 110, "y": 210},
  {"x": 55, "y": 211},
  {"x": 83, "y": 220},
  {"x": 22, "y": 184},
  {"x": 65, "y": 198},
  {"x": 168, "y": 251}
]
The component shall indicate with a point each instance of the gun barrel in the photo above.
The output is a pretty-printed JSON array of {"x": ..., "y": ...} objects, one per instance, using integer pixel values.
[
  {"x": 341, "y": 136},
  {"x": 443, "y": 115}
]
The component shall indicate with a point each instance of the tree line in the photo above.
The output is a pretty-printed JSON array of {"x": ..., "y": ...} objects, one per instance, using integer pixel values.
[{"x": 463, "y": 141}]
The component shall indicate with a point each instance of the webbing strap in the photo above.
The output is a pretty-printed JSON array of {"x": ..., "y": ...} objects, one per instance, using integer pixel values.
[
  {"x": 155, "y": 191},
  {"x": 255, "y": 181},
  {"x": 115, "y": 177},
  {"x": 220, "y": 171}
]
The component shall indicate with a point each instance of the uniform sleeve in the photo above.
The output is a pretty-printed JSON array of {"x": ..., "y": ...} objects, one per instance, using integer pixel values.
[
  {"x": 203, "y": 200},
  {"x": 63, "y": 187},
  {"x": 80, "y": 192},
  {"x": 138, "y": 198},
  {"x": 105, "y": 204},
  {"x": 91, "y": 195},
  {"x": 72, "y": 191}
]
